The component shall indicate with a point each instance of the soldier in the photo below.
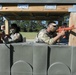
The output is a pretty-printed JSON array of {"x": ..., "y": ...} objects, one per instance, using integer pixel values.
[
  {"x": 14, "y": 36},
  {"x": 49, "y": 35},
  {"x": 2, "y": 34},
  {"x": 3, "y": 28}
]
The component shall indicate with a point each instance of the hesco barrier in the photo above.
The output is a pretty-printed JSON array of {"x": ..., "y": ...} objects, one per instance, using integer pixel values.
[{"x": 37, "y": 59}]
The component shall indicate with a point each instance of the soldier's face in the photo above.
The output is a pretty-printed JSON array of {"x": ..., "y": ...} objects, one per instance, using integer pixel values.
[
  {"x": 2, "y": 28},
  {"x": 53, "y": 28},
  {"x": 12, "y": 31}
]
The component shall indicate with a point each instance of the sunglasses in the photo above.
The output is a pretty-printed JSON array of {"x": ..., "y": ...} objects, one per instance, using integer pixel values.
[{"x": 54, "y": 26}]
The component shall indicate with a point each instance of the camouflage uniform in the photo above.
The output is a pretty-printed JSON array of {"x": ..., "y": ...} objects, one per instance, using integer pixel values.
[
  {"x": 44, "y": 37},
  {"x": 13, "y": 38},
  {"x": 17, "y": 37}
]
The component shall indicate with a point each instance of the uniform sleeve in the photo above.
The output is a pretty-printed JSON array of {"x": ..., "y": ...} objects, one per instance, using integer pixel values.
[
  {"x": 15, "y": 39},
  {"x": 47, "y": 39}
]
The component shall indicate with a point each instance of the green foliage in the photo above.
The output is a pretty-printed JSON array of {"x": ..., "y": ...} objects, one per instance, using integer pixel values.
[{"x": 29, "y": 26}]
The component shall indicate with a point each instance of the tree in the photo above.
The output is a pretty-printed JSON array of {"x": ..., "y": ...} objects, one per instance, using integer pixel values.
[{"x": 29, "y": 25}]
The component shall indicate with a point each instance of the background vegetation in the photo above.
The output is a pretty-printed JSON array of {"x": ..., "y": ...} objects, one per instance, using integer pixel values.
[{"x": 30, "y": 26}]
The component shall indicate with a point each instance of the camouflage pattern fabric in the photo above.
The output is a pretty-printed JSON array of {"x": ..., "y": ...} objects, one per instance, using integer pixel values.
[{"x": 44, "y": 37}]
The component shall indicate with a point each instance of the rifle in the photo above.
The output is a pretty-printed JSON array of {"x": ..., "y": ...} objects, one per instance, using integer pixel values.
[{"x": 65, "y": 28}]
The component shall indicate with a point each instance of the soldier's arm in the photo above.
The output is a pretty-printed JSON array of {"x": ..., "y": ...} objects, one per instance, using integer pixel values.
[
  {"x": 46, "y": 39},
  {"x": 15, "y": 39},
  {"x": 49, "y": 40},
  {"x": 58, "y": 36}
]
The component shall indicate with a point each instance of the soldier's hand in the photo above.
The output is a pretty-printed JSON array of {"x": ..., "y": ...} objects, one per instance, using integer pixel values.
[{"x": 62, "y": 33}]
